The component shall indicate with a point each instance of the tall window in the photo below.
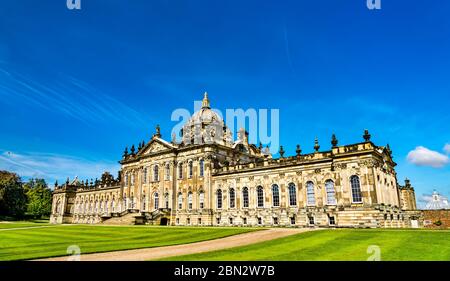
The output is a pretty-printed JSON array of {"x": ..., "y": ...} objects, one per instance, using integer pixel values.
[
  {"x": 180, "y": 170},
  {"x": 145, "y": 175},
  {"x": 232, "y": 198},
  {"x": 331, "y": 195},
  {"x": 167, "y": 174},
  {"x": 260, "y": 196},
  {"x": 201, "y": 200},
  {"x": 356, "y": 189},
  {"x": 166, "y": 199},
  {"x": 132, "y": 179},
  {"x": 191, "y": 168},
  {"x": 156, "y": 200},
  {"x": 155, "y": 173},
  {"x": 292, "y": 195},
  {"x": 180, "y": 201},
  {"x": 144, "y": 203},
  {"x": 219, "y": 199},
  {"x": 202, "y": 167},
  {"x": 311, "y": 200},
  {"x": 275, "y": 195},
  {"x": 190, "y": 200},
  {"x": 245, "y": 197},
  {"x": 126, "y": 179}
]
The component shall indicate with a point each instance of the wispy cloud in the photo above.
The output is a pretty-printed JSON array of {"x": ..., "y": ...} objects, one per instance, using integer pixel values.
[
  {"x": 422, "y": 156},
  {"x": 53, "y": 166},
  {"x": 447, "y": 148},
  {"x": 69, "y": 96}
]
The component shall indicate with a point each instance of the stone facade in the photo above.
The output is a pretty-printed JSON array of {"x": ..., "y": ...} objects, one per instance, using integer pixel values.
[{"x": 210, "y": 180}]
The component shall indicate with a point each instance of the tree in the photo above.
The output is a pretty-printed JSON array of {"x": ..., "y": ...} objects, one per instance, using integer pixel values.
[
  {"x": 39, "y": 198},
  {"x": 12, "y": 196}
]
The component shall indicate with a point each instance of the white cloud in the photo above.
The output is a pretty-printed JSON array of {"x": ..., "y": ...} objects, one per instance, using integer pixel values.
[
  {"x": 422, "y": 156},
  {"x": 53, "y": 167},
  {"x": 447, "y": 148}
]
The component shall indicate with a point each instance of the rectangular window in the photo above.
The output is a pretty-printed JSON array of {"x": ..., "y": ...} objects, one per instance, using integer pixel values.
[
  {"x": 332, "y": 221},
  {"x": 218, "y": 220},
  {"x": 245, "y": 220},
  {"x": 231, "y": 221},
  {"x": 311, "y": 220},
  {"x": 188, "y": 221},
  {"x": 275, "y": 221},
  {"x": 199, "y": 221},
  {"x": 259, "y": 220},
  {"x": 202, "y": 200},
  {"x": 292, "y": 220}
]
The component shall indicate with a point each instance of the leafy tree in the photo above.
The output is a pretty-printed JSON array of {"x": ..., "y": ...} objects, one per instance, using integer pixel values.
[
  {"x": 39, "y": 198},
  {"x": 12, "y": 196}
]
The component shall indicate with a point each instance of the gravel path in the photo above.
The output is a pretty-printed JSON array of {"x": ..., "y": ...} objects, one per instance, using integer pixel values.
[{"x": 186, "y": 249}]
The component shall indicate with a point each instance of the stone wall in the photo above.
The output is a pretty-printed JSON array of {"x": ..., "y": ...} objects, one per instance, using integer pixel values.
[{"x": 432, "y": 217}]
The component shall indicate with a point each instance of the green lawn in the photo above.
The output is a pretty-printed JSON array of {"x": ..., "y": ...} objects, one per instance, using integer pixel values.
[
  {"x": 340, "y": 245},
  {"x": 4, "y": 225},
  {"x": 50, "y": 241}
]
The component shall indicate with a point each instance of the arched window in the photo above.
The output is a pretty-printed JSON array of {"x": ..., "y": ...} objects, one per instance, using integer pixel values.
[
  {"x": 202, "y": 167},
  {"x": 191, "y": 168},
  {"x": 156, "y": 200},
  {"x": 260, "y": 196},
  {"x": 310, "y": 198},
  {"x": 156, "y": 173},
  {"x": 190, "y": 200},
  {"x": 167, "y": 174},
  {"x": 201, "y": 199},
  {"x": 180, "y": 170},
  {"x": 245, "y": 197},
  {"x": 275, "y": 195},
  {"x": 219, "y": 199},
  {"x": 356, "y": 189},
  {"x": 180, "y": 201},
  {"x": 292, "y": 195},
  {"x": 331, "y": 194},
  {"x": 232, "y": 198},
  {"x": 145, "y": 175}
]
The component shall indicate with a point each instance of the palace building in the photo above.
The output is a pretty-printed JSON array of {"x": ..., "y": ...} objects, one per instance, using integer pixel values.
[{"x": 209, "y": 179}]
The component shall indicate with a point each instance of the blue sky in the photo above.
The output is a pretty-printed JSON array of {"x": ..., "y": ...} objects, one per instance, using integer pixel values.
[{"x": 77, "y": 86}]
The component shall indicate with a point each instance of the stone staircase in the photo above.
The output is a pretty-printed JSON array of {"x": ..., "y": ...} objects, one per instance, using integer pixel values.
[{"x": 135, "y": 217}]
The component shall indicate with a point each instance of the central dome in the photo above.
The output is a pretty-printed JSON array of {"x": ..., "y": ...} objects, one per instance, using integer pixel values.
[
  {"x": 205, "y": 124},
  {"x": 205, "y": 115}
]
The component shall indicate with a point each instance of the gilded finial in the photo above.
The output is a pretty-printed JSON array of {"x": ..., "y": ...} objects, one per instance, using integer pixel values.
[{"x": 205, "y": 102}]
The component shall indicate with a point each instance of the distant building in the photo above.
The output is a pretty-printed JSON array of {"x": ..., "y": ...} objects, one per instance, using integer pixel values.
[
  {"x": 226, "y": 182},
  {"x": 436, "y": 202}
]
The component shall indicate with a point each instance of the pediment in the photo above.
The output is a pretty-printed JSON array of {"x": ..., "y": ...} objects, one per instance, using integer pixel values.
[{"x": 155, "y": 146}]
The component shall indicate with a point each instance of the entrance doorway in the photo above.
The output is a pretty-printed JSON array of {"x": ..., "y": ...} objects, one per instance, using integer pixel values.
[{"x": 164, "y": 221}]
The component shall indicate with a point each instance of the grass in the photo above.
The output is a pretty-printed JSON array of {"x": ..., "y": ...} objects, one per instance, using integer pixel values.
[
  {"x": 51, "y": 241},
  {"x": 340, "y": 245}
]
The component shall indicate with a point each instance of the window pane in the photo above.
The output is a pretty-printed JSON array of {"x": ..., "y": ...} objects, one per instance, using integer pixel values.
[
  {"x": 275, "y": 195},
  {"x": 219, "y": 199},
  {"x": 292, "y": 195},
  {"x": 331, "y": 196},
  {"x": 311, "y": 200},
  {"x": 245, "y": 197},
  {"x": 260, "y": 196},
  {"x": 356, "y": 189},
  {"x": 232, "y": 198}
]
